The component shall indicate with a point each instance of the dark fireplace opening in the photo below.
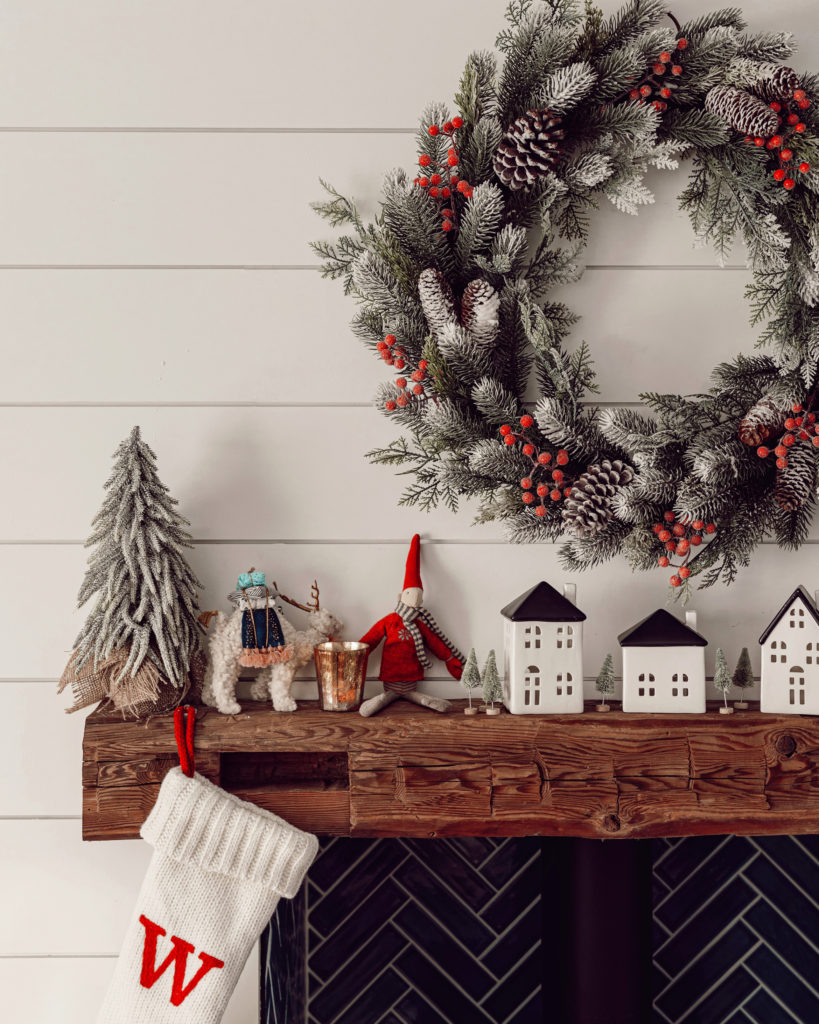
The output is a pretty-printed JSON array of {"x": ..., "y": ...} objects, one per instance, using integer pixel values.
[{"x": 704, "y": 930}]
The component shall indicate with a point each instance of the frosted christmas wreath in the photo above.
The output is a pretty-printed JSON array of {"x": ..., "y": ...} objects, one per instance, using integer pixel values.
[{"x": 453, "y": 277}]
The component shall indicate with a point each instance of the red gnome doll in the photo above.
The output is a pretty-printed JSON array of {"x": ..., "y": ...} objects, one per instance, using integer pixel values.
[{"x": 405, "y": 632}]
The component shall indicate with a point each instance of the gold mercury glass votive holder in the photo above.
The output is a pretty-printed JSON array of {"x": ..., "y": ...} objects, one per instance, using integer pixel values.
[{"x": 341, "y": 670}]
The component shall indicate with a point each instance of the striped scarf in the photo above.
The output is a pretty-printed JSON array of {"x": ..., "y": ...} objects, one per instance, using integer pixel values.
[{"x": 409, "y": 617}]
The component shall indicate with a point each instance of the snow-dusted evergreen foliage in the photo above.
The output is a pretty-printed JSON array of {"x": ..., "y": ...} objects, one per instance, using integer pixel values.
[
  {"x": 145, "y": 590},
  {"x": 411, "y": 270}
]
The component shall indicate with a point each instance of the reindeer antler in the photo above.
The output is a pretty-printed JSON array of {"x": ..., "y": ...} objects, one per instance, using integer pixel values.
[{"x": 314, "y": 594}]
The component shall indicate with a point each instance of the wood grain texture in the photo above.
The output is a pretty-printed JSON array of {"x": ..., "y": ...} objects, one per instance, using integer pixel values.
[{"x": 412, "y": 773}]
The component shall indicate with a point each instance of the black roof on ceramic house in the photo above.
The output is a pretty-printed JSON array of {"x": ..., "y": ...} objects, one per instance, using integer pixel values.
[
  {"x": 543, "y": 604},
  {"x": 799, "y": 594},
  {"x": 661, "y": 629}
]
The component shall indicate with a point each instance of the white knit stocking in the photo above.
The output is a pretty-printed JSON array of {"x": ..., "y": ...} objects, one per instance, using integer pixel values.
[{"x": 218, "y": 870}]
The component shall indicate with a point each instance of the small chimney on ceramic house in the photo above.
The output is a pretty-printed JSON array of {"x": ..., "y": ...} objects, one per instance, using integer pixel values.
[
  {"x": 570, "y": 592},
  {"x": 691, "y": 619}
]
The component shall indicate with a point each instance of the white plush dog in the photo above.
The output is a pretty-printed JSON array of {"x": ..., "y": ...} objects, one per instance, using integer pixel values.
[{"x": 225, "y": 648}]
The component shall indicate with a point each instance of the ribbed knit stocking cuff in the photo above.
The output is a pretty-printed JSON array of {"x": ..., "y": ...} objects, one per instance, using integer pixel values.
[{"x": 196, "y": 822}]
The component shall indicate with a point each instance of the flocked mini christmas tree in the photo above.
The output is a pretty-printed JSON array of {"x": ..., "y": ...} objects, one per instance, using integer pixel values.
[
  {"x": 722, "y": 681},
  {"x": 604, "y": 684},
  {"x": 142, "y": 631},
  {"x": 490, "y": 681},
  {"x": 743, "y": 678},
  {"x": 471, "y": 680}
]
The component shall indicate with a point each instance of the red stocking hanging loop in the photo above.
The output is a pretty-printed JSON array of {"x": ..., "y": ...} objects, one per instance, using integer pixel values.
[{"x": 184, "y": 723}]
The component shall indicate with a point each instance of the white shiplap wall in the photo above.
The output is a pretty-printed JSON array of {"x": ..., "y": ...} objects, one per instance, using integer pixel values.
[{"x": 157, "y": 158}]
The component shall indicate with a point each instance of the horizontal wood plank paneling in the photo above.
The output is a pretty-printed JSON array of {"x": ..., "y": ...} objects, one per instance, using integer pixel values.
[
  {"x": 239, "y": 473},
  {"x": 184, "y": 336},
  {"x": 212, "y": 199},
  {"x": 70, "y": 989},
  {"x": 202, "y": 63},
  {"x": 61, "y": 895},
  {"x": 42, "y": 745},
  {"x": 465, "y": 584}
]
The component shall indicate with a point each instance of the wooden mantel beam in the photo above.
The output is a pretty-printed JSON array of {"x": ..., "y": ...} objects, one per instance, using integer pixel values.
[{"x": 412, "y": 772}]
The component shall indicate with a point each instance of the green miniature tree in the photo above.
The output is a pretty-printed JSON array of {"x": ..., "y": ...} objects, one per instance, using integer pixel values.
[
  {"x": 743, "y": 677},
  {"x": 471, "y": 679},
  {"x": 604, "y": 684},
  {"x": 722, "y": 680},
  {"x": 490, "y": 680}
]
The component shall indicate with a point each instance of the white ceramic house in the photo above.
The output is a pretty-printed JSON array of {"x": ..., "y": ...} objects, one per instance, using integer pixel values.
[
  {"x": 790, "y": 658},
  {"x": 664, "y": 664},
  {"x": 543, "y": 652}
]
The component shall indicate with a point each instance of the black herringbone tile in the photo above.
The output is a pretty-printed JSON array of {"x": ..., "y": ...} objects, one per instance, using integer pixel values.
[
  {"x": 422, "y": 885},
  {"x": 698, "y": 931},
  {"x": 678, "y": 862},
  {"x": 762, "y": 1009},
  {"x": 329, "y": 911},
  {"x": 708, "y": 877},
  {"x": 414, "y": 1009},
  {"x": 453, "y": 871},
  {"x": 784, "y": 984},
  {"x": 705, "y": 971},
  {"x": 781, "y": 892},
  {"x": 793, "y": 861},
  {"x": 336, "y": 857},
  {"x": 474, "y": 849},
  {"x": 384, "y": 992},
  {"x": 532, "y": 1012},
  {"x": 450, "y": 1001},
  {"x": 514, "y": 898},
  {"x": 732, "y": 991},
  {"x": 777, "y": 934},
  {"x": 503, "y": 954},
  {"x": 375, "y": 957},
  {"x": 346, "y": 940},
  {"x": 425, "y": 934},
  {"x": 509, "y": 859},
  {"x": 524, "y": 978}
]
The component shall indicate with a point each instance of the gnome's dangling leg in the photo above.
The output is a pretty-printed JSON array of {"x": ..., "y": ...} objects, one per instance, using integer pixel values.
[
  {"x": 427, "y": 700},
  {"x": 377, "y": 703}
]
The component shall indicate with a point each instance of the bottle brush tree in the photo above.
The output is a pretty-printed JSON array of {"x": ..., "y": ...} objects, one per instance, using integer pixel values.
[
  {"x": 471, "y": 678},
  {"x": 604, "y": 684},
  {"x": 743, "y": 677},
  {"x": 490, "y": 680},
  {"x": 722, "y": 679},
  {"x": 142, "y": 629}
]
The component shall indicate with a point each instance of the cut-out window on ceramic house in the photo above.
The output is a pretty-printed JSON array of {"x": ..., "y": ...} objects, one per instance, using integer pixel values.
[
  {"x": 531, "y": 686},
  {"x": 532, "y": 634},
  {"x": 796, "y": 685}
]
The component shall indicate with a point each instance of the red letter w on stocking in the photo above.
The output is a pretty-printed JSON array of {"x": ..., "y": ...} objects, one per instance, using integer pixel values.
[{"x": 178, "y": 956}]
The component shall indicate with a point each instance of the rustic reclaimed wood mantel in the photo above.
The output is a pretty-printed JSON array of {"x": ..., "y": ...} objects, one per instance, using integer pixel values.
[{"x": 411, "y": 772}]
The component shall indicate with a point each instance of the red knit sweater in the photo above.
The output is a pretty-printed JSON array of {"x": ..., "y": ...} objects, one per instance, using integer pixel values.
[{"x": 399, "y": 662}]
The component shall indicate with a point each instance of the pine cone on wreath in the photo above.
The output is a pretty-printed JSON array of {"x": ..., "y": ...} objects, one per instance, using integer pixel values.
[
  {"x": 529, "y": 149},
  {"x": 781, "y": 85},
  {"x": 742, "y": 111},
  {"x": 437, "y": 300},
  {"x": 762, "y": 422},
  {"x": 588, "y": 509},
  {"x": 479, "y": 311},
  {"x": 797, "y": 481}
]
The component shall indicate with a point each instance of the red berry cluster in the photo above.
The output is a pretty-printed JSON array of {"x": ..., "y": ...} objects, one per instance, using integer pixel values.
[
  {"x": 553, "y": 483},
  {"x": 680, "y": 539},
  {"x": 659, "y": 83},
  {"x": 801, "y": 426},
  {"x": 442, "y": 181},
  {"x": 408, "y": 389},
  {"x": 791, "y": 128}
]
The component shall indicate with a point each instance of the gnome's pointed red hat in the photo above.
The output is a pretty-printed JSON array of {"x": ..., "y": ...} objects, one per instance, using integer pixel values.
[{"x": 412, "y": 577}]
